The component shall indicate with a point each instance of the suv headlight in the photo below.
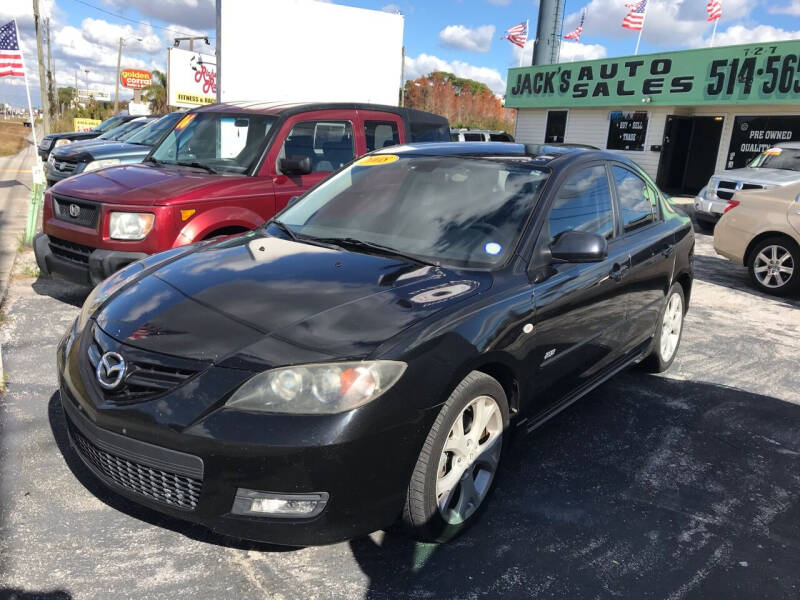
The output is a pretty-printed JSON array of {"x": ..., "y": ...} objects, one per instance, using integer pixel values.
[
  {"x": 130, "y": 226},
  {"x": 325, "y": 388},
  {"x": 101, "y": 164},
  {"x": 62, "y": 142},
  {"x": 51, "y": 159}
]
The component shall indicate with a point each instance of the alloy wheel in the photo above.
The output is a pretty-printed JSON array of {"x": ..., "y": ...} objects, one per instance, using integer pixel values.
[
  {"x": 469, "y": 459},
  {"x": 773, "y": 266},
  {"x": 671, "y": 327}
]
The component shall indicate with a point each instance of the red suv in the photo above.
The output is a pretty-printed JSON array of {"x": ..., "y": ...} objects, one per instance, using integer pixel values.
[{"x": 223, "y": 169}]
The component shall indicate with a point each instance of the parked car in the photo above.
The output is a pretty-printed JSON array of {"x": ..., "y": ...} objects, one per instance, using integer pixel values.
[
  {"x": 223, "y": 169},
  {"x": 761, "y": 230},
  {"x": 479, "y": 135},
  {"x": 363, "y": 354},
  {"x": 133, "y": 146},
  {"x": 773, "y": 168},
  {"x": 54, "y": 140}
]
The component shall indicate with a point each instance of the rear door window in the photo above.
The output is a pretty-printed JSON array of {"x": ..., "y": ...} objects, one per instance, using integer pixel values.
[
  {"x": 329, "y": 144},
  {"x": 473, "y": 137},
  {"x": 637, "y": 201},
  {"x": 380, "y": 134}
]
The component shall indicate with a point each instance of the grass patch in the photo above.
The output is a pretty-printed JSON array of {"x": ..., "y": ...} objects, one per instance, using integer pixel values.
[
  {"x": 30, "y": 270},
  {"x": 12, "y": 137}
]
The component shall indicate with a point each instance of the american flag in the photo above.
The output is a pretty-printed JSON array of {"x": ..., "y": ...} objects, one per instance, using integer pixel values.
[
  {"x": 714, "y": 8},
  {"x": 635, "y": 17},
  {"x": 518, "y": 34},
  {"x": 10, "y": 54},
  {"x": 575, "y": 34}
]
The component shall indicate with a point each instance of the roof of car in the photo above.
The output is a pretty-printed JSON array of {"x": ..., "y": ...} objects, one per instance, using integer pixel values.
[
  {"x": 788, "y": 145},
  {"x": 540, "y": 152},
  {"x": 285, "y": 108}
]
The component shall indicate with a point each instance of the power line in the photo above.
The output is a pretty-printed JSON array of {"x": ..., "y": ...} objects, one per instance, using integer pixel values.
[{"x": 113, "y": 14}]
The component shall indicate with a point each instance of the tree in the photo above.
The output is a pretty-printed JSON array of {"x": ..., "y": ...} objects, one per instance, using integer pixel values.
[
  {"x": 66, "y": 96},
  {"x": 465, "y": 103},
  {"x": 156, "y": 93}
]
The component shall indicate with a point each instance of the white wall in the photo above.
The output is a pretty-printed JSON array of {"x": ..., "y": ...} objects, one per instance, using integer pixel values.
[{"x": 302, "y": 50}]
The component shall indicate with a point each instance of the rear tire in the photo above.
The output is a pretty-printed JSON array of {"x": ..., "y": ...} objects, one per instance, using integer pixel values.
[
  {"x": 774, "y": 266},
  {"x": 669, "y": 332},
  {"x": 456, "y": 468}
]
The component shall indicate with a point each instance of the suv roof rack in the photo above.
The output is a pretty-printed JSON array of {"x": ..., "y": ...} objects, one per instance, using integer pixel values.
[{"x": 556, "y": 149}]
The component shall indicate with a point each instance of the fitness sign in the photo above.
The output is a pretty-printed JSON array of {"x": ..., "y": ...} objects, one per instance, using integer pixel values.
[
  {"x": 191, "y": 78},
  {"x": 746, "y": 74}
]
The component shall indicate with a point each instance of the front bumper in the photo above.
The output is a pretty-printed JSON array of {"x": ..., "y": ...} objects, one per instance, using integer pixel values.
[
  {"x": 80, "y": 264},
  {"x": 192, "y": 469},
  {"x": 709, "y": 210}
]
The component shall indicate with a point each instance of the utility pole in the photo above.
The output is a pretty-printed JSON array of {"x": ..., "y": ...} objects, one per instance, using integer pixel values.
[
  {"x": 51, "y": 86},
  {"x": 116, "y": 93},
  {"x": 42, "y": 78}
]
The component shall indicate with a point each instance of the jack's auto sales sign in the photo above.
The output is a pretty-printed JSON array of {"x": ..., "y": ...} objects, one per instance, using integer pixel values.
[{"x": 191, "y": 78}]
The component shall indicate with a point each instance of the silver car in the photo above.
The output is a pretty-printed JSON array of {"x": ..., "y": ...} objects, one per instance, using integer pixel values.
[{"x": 776, "y": 167}]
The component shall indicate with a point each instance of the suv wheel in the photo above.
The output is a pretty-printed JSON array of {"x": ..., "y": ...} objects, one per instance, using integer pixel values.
[
  {"x": 458, "y": 462},
  {"x": 774, "y": 265},
  {"x": 668, "y": 332}
]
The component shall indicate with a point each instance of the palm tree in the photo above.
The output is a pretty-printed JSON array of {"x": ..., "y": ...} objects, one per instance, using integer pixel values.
[{"x": 156, "y": 93}]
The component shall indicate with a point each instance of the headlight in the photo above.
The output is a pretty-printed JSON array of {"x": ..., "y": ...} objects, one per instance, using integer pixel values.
[
  {"x": 710, "y": 192},
  {"x": 101, "y": 164},
  {"x": 62, "y": 142},
  {"x": 326, "y": 388},
  {"x": 51, "y": 159},
  {"x": 130, "y": 226}
]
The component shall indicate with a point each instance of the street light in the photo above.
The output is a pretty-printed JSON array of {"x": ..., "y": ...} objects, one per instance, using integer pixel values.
[{"x": 119, "y": 60}]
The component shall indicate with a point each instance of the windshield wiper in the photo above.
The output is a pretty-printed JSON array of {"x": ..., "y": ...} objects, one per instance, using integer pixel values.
[
  {"x": 196, "y": 165},
  {"x": 284, "y": 228},
  {"x": 353, "y": 243}
]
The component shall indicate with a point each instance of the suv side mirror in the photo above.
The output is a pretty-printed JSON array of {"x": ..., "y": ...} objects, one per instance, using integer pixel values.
[
  {"x": 295, "y": 165},
  {"x": 579, "y": 246}
]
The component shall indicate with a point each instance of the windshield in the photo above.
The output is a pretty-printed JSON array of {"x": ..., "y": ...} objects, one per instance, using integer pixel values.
[
  {"x": 778, "y": 158},
  {"x": 119, "y": 133},
  {"x": 217, "y": 142},
  {"x": 109, "y": 123},
  {"x": 461, "y": 211},
  {"x": 153, "y": 131}
]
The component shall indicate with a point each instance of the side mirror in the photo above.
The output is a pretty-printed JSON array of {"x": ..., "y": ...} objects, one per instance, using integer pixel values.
[
  {"x": 579, "y": 246},
  {"x": 295, "y": 165}
]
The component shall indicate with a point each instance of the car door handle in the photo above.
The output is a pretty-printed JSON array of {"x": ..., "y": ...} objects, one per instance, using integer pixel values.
[
  {"x": 667, "y": 251},
  {"x": 618, "y": 271}
]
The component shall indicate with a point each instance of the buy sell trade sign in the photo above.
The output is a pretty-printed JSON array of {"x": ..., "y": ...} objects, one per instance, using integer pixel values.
[{"x": 135, "y": 79}]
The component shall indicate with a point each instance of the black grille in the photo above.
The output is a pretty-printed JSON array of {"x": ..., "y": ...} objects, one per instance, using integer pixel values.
[
  {"x": 64, "y": 166},
  {"x": 752, "y": 186},
  {"x": 146, "y": 377},
  {"x": 86, "y": 211},
  {"x": 724, "y": 194},
  {"x": 159, "y": 485},
  {"x": 729, "y": 185},
  {"x": 77, "y": 253}
]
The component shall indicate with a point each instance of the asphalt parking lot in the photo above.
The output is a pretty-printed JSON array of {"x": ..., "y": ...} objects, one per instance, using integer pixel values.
[{"x": 678, "y": 486}]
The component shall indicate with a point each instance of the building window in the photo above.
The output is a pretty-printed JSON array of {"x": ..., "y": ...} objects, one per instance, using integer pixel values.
[
  {"x": 627, "y": 130},
  {"x": 556, "y": 127},
  {"x": 752, "y": 135}
]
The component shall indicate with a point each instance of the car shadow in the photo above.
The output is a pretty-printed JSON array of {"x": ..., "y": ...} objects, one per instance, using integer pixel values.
[
  {"x": 649, "y": 487},
  {"x": 58, "y": 426},
  {"x": 61, "y": 290},
  {"x": 19, "y": 594}
]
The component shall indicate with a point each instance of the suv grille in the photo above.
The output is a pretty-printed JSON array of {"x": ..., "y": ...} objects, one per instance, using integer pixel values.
[
  {"x": 71, "y": 251},
  {"x": 726, "y": 189},
  {"x": 148, "y": 374},
  {"x": 159, "y": 485},
  {"x": 86, "y": 211},
  {"x": 64, "y": 166}
]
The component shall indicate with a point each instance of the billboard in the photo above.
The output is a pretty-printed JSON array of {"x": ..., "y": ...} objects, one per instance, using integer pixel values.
[
  {"x": 301, "y": 50},
  {"x": 81, "y": 124},
  {"x": 136, "y": 79},
  {"x": 764, "y": 73},
  {"x": 191, "y": 78}
]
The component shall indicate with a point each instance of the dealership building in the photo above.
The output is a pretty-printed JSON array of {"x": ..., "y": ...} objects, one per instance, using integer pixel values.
[{"x": 680, "y": 115}]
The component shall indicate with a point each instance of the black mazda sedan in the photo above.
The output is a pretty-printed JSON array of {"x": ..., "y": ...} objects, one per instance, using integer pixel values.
[{"x": 361, "y": 357}]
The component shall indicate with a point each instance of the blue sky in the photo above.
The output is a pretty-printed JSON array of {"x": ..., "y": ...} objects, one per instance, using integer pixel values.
[{"x": 462, "y": 36}]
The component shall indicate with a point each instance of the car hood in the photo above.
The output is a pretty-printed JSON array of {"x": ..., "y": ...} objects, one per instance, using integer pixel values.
[
  {"x": 136, "y": 184},
  {"x": 99, "y": 150},
  {"x": 760, "y": 176},
  {"x": 257, "y": 300}
]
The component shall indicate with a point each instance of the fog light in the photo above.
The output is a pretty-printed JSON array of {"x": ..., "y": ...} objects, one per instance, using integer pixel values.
[{"x": 268, "y": 504}]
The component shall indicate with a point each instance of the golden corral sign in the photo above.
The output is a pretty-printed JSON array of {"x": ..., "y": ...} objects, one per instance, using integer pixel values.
[
  {"x": 191, "y": 78},
  {"x": 135, "y": 79},
  {"x": 85, "y": 124}
]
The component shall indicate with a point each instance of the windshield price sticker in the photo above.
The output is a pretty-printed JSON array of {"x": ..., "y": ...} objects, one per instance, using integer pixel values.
[
  {"x": 185, "y": 121},
  {"x": 378, "y": 159}
]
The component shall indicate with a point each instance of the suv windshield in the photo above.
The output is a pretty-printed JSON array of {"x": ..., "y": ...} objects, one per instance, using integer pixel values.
[
  {"x": 152, "y": 132},
  {"x": 778, "y": 158},
  {"x": 120, "y": 132},
  {"x": 110, "y": 123},
  {"x": 461, "y": 211},
  {"x": 216, "y": 142}
]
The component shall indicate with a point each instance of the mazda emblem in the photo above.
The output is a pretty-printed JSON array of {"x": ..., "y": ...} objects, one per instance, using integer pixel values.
[
  {"x": 74, "y": 210},
  {"x": 110, "y": 370}
]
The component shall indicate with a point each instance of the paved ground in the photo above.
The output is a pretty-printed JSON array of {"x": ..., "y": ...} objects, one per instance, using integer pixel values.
[{"x": 684, "y": 486}]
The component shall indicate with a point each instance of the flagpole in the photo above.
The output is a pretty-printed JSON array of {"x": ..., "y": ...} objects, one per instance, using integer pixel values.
[
  {"x": 639, "y": 39},
  {"x": 714, "y": 32},
  {"x": 527, "y": 35},
  {"x": 27, "y": 87}
]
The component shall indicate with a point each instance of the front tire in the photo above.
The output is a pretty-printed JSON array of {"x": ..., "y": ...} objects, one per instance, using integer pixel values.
[
  {"x": 458, "y": 462},
  {"x": 668, "y": 332},
  {"x": 773, "y": 266}
]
